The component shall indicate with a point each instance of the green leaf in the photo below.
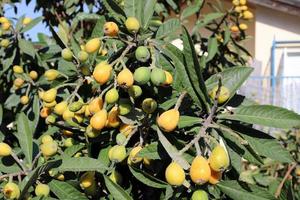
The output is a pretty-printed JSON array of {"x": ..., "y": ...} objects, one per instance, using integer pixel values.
[
  {"x": 115, "y": 190},
  {"x": 35, "y": 114},
  {"x": 265, "y": 145},
  {"x": 8, "y": 62},
  {"x": 172, "y": 4},
  {"x": 241, "y": 191},
  {"x": 193, "y": 69},
  {"x": 27, "y": 47},
  {"x": 206, "y": 20},
  {"x": 103, "y": 156},
  {"x": 81, "y": 164},
  {"x": 186, "y": 121},
  {"x": 114, "y": 9},
  {"x": 212, "y": 48},
  {"x": 172, "y": 151},
  {"x": 63, "y": 33},
  {"x": 191, "y": 9},
  {"x": 67, "y": 68},
  {"x": 134, "y": 8},
  {"x": 65, "y": 191},
  {"x": 25, "y": 136},
  {"x": 232, "y": 78},
  {"x": 31, "y": 178},
  {"x": 243, "y": 150},
  {"x": 177, "y": 57},
  {"x": 147, "y": 179},
  {"x": 72, "y": 150},
  {"x": 265, "y": 115},
  {"x": 12, "y": 101},
  {"x": 150, "y": 151},
  {"x": 98, "y": 29},
  {"x": 33, "y": 23},
  {"x": 168, "y": 28},
  {"x": 149, "y": 6}
]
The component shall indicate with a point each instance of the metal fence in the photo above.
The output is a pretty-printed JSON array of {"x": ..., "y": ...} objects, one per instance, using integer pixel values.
[{"x": 284, "y": 93}]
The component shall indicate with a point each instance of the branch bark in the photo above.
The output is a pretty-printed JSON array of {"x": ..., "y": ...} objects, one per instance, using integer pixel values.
[{"x": 287, "y": 174}]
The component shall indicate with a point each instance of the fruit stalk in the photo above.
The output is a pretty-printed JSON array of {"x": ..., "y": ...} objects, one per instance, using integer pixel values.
[
  {"x": 117, "y": 61},
  {"x": 287, "y": 174},
  {"x": 18, "y": 161},
  {"x": 179, "y": 100}
]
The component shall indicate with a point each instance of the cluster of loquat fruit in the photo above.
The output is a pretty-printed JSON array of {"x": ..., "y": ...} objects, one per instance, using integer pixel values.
[
  {"x": 120, "y": 87},
  {"x": 242, "y": 11}
]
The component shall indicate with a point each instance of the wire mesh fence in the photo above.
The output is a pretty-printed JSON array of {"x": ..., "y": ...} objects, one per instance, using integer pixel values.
[{"x": 286, "y": 92}]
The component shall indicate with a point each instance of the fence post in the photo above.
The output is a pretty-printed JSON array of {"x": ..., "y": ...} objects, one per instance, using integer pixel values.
[{"x": 273, "y": 75}]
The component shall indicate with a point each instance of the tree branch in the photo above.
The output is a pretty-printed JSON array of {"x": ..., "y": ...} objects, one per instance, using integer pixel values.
[
  {"x": 287, "y": 174},
  {"x": 206, "y": 124}
]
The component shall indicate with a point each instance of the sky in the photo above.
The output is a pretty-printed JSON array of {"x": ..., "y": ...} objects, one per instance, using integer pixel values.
[{"x": 28, "y": 11}]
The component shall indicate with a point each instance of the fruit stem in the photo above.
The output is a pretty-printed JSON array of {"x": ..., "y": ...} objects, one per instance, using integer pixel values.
[
  {"x": 65, "y": 85},
  {"x": 10, "y": 176},
  {"x": 15, "y": 157},
  {"x": 179, "y": 100},
  {"x": 287, "y": 174},
  {"x": 118, "y": 60}
]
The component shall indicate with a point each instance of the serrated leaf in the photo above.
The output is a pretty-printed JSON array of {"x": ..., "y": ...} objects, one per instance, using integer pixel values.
[
  {"x": 193, "y": 69},
  {"x": 115, "y": 190},
  {"x": 149, "y": 6},
  {"x": 241, "y": 191},
  {"x": 150, "y": 151},
  {"x": 232, "y": 78},
  {"x": 264, "y": 144},
  {"x": 177, "y": 57},
  {"x": 81, "y": 164},
  {"x": 33, "y": 23},
  {"x": 147, "y": 179},
  {"x": 265, "y": 115},
  {"x": 65, "y": 191},
  {"x": 168, "y": 28},
  {"x": 172, "y": 151},
  {"x": 191, "y": 9},
  {"x": 243, "y": 150},
  {"x": 25, "y": 136}
]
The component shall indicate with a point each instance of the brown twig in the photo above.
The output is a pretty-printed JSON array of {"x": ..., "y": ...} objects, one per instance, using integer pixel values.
[
  {"x": 180, "y": 99},
  {"x": 287, "y": 174},
  {"x": 117, "y": 61},
  {"x": 206, "y": 124},
  {"x": 13, "y": 174}
]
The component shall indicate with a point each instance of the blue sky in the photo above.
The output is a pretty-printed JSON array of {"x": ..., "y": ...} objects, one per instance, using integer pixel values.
[{"x": 28, "y": 11}]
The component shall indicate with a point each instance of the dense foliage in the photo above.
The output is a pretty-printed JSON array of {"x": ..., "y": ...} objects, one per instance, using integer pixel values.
[{"x": 124, "y": 102}]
